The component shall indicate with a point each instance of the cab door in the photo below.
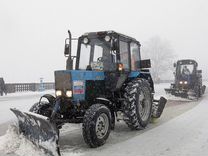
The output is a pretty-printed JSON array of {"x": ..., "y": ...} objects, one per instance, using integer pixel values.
[
  {"x": 115, "y": 79},
  {"x": 135, "y": 56}
]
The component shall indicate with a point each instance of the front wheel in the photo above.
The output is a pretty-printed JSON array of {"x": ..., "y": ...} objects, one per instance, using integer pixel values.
[
  {"x": 42, "y": 108},
  {"x": 96, "y": 125}
]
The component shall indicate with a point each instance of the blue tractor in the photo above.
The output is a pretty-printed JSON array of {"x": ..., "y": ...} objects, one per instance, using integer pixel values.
[{"x": 108, "y": 78}]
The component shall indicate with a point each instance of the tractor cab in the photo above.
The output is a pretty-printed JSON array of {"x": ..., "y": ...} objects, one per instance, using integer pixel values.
[
  {"x": 107, "y": 51},
  {"x": 113, "y": 55}
]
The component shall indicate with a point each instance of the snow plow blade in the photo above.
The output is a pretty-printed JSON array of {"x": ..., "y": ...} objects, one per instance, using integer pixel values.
[
  {"x": 39, "y": 130},
  {"x": 169, "y": 90},
  {"x": 203, "y": 89}
]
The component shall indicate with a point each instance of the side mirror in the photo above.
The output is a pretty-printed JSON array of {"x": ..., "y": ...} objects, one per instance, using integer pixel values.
[
  {"x": 174, "y": 65},
  {"x": 67, "y": 48},
  {"x": 144, "y": 64}
]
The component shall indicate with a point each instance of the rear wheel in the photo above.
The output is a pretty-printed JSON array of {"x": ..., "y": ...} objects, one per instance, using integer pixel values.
[
  {"x": 137, "y": 106},
  {"x": 96, "y": 125}
]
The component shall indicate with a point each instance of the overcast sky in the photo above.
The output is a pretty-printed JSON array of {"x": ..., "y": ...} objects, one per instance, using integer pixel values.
[{"x": 32, "y": 33}]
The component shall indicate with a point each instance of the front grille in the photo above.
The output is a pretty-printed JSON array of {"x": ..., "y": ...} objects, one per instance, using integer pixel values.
[{"x": 63, "y": 80}]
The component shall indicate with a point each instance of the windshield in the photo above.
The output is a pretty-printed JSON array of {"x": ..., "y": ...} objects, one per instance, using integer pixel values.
[
  {"x": 186, "y": 69},
  {"x": 94, "y": 55}
]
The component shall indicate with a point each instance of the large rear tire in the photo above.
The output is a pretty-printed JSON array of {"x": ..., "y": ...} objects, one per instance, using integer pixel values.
[
  {"x": 96, "y": 125},
  {"x": 137, "y": 106}
]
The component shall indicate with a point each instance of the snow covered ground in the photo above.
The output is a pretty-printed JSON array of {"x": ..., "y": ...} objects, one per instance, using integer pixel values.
[
  {"x": 183, "y": 135},
  {"x": 23, "y": 101},
  {"x": 176, "y": 133}
]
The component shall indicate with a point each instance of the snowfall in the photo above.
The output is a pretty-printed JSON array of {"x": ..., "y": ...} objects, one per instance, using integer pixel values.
[{"x": 181, "y": 131}]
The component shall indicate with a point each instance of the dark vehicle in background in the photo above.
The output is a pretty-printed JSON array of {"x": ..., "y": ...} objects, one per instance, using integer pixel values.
[
  {"x": 188, "y": 80},
  {"x": 2, "y": 87}
]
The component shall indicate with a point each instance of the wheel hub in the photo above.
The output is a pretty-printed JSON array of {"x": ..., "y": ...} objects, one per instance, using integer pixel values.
[
  {"x": 143, "y": 106},
  {"x": 102, "y": 126}
]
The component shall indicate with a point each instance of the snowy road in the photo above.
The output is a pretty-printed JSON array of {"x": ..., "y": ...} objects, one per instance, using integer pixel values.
[
  {"x": 179, "y": 128},
  {"x": 22, "y": 101},
  {"x": 72, "y": 141},
  {"x": 184, "y": 135}
]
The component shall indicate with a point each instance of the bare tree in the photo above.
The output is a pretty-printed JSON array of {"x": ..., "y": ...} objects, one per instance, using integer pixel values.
[{"x": 161, "y": 54}]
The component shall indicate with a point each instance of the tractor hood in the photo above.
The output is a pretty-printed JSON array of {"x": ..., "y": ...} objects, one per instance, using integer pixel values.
[
  {"x": 75, "y": 80},
  {"x": 63, "y": 80}
]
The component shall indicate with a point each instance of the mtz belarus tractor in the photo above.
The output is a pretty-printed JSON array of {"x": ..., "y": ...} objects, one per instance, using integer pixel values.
[
  {"x": 188, "y": 80},
  {"x": 109, "y": 78}
]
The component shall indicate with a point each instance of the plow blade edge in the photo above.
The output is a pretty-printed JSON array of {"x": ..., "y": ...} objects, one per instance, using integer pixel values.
[{"x": 39, "y": 130}]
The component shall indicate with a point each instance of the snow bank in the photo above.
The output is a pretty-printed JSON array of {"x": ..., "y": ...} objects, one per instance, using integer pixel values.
[
  {"x": 70, "y": 154},
  {"x": 28, "y": 93},
  {"x": 21, "y": 101},
  {"x": 21, "y": 104},
  {"x": 12, "y": 142}
]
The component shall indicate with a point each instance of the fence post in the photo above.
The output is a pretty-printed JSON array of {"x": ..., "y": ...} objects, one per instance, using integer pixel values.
[{"x": 41, "y": 87}]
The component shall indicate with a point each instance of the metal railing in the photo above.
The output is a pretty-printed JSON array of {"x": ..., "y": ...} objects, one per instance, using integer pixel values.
[{"x": 24, "y": 87}]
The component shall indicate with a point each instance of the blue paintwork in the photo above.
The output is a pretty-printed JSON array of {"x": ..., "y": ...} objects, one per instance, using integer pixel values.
[
  {"x": 83, "y": 76},
  {"x": 134, "y": 74}
]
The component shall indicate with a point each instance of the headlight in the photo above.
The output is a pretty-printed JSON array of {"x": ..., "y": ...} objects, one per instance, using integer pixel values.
[
  {"x": 181, "y": 82},
  {"x": 185, "y": 82},
  {"x": 85, "y": 40},
  {"x": 69, "y": 93},
  {"x": 107, "y": 38},
  {"x": 58, "y": 93}
]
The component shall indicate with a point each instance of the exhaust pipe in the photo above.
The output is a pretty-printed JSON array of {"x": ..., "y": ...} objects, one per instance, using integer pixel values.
[{"x": 67, "y": 52}]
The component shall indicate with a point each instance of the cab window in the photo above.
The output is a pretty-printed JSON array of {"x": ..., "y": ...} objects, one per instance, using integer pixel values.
[
  {"x": 84, "y": 56},
  {"x": 98, "y": 53},
  {"x": 123, "y": 46},
  {"x": 135, "y": 56}
]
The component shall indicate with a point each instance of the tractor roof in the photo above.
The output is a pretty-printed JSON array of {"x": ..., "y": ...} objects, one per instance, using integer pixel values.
[
  {"x": 187, "y": 61},
  {"x": 110, "y": 32}
]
